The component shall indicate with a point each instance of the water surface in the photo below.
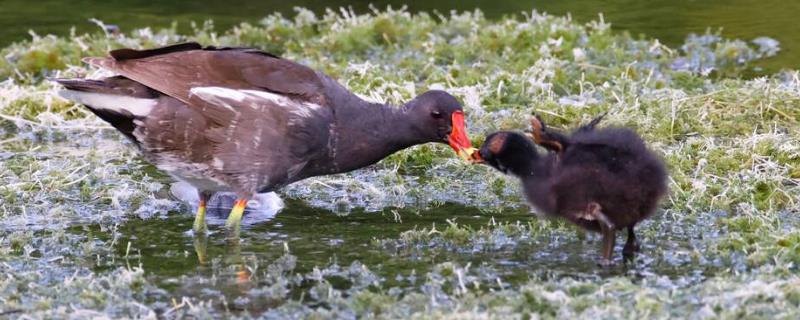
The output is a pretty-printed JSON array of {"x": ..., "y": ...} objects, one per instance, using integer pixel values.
[{"x": 347, "y": 250}]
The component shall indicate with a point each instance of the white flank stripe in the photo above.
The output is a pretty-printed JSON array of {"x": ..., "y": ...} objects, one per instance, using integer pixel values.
[
  {"x": 269, "y": 96},
  {"x": 216, "y": 94},
  {"x": 136, "y": 106},
  {"x": 219, "y": 95}
]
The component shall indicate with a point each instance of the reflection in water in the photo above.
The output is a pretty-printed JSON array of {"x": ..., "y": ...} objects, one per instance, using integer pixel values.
[
  {"x": 303, "y": 244},
  {"x": 201, "y": 248}
]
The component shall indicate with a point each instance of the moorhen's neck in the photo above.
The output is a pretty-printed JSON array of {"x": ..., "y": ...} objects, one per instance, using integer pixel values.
[{"x": 368, "y": 132}]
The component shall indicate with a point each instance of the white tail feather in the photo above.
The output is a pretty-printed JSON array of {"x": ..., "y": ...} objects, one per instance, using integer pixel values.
[{"x": 136, "y": 106}]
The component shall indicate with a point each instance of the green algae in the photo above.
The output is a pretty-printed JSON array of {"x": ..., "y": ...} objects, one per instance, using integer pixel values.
[{"x": 89, "y": 229}]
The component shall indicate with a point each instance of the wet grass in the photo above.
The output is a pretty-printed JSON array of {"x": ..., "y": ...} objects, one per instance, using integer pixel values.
[{"x": 88, "y": 229}]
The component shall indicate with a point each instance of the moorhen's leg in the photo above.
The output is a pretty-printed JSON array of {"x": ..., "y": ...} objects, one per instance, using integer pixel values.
[
  {"x": 631, "y": 245},
  {"x": 234, "y": 221},
  {"x": 590, "y": 126},
  {"x": 609, "y": 240},
  {"x": 199, "y": 226},
  {"x": 607, "y": 228}
]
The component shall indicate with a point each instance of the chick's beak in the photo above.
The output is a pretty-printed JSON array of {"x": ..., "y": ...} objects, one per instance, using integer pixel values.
[{"x": 459, "y": 141}]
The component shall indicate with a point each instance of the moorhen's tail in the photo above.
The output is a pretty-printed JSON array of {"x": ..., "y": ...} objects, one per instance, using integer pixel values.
[
  {"x": 590, "y": 126},
  {"x": 555, "y": 141},
  {"x": 549, "y": 139},
  {"x": 116, "y": 100}
]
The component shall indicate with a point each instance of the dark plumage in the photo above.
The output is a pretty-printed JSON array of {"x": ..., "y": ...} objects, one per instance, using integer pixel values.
[
  {"x": 553, "y": 140},
  {"x": 243, "y": 120},
  {"x": 602, "y": 180}
]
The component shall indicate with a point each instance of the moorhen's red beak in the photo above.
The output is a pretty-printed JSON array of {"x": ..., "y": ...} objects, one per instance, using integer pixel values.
[{"x": 458, "y": 139}]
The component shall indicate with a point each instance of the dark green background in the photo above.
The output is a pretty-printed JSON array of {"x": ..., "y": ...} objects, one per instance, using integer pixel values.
[{"x": 668, "y": 20}]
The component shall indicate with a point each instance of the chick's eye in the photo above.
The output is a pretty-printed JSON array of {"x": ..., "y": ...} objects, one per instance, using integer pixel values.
[{"x": 436, "y": 115}]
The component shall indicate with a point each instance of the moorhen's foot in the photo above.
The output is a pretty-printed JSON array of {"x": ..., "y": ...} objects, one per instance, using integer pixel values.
[{"x": 605, "y": 263}]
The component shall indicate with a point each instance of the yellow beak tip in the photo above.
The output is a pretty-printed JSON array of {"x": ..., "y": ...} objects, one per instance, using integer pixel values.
[{"x": 466, "y": 153}]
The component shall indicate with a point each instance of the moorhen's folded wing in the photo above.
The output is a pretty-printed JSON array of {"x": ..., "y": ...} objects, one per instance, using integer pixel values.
[{"x": 175, "y": 70}]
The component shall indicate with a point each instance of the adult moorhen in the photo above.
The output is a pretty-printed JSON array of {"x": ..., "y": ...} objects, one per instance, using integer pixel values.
[
  {"x": 602, "y": 180},
  {"x": 244, "y": 120}
]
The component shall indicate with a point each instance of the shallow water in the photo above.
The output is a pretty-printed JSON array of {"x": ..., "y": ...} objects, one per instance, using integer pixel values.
[
  {"x": 90, "y": 229},
  {"x": 342, "y": 245}
]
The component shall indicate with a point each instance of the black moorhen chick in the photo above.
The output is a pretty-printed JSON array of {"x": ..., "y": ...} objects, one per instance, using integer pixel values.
[
  {"x": 602, "y": 180},
  {"x": 243, "y": 120}
]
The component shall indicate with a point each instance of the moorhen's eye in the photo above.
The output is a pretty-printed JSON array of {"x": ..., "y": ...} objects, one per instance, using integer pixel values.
[{"x": 436, "y": 115}]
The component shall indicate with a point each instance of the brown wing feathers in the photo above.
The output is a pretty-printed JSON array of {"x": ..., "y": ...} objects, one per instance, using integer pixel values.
[
  {"x": 127, "y": 54},
  {"x": 175, "y": 70},
  {"x": 205, "y": 117}
]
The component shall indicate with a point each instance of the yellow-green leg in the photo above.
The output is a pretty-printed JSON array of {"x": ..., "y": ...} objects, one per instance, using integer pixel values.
[
  {"x": 200, "y": 228},
  {"x": 199, "y": 225},
  {"x": 235, "y": 217}
]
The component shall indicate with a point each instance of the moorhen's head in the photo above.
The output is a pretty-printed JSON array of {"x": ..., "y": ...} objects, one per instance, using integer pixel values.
[
  {"x": 508, "y": 152},
  {"x": 439, "y": 117}
]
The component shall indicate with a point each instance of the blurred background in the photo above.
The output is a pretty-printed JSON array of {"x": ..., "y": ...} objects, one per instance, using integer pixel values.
[{"x": 668, "y": 20}]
